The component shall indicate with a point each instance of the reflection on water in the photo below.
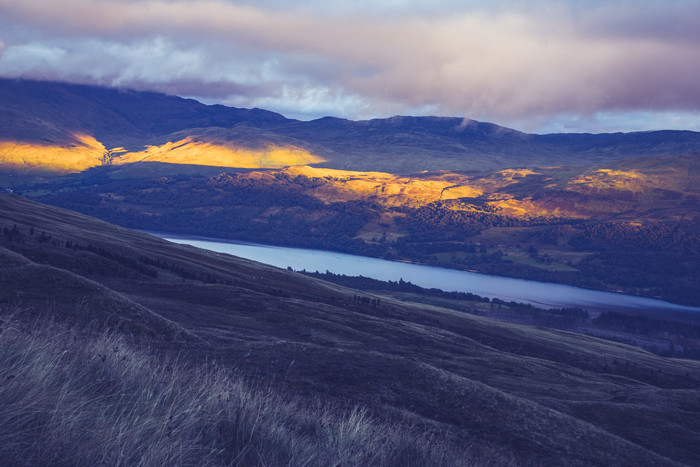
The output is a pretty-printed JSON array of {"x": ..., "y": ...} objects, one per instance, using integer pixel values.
[{"x": 541, "y": 294}]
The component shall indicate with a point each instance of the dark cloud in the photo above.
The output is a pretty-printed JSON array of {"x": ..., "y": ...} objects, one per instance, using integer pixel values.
[{"x": 671, "y": 20}]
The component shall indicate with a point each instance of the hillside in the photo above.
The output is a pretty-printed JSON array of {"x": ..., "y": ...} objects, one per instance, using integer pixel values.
[
  {"x": 60, "y": 127},
  {"x": 631, "y": 226},
  {"x": 543, "y": 396}
]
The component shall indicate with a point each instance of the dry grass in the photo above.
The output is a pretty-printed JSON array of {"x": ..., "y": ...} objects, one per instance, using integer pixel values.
[{"x": 71, "y": 397}]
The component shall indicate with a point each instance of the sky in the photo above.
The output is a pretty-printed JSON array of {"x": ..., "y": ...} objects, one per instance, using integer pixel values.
[{"x": 537, "y": 66}]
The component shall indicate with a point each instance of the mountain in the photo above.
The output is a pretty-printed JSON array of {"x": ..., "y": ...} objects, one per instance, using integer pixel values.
[
  {"x": 410, "y": 144},
  {"x": 69, "y": 127},
  {"x": 49, "y": 112},
  {"x": 612, "y": 211},
  {"x": 541, "y": 396}
]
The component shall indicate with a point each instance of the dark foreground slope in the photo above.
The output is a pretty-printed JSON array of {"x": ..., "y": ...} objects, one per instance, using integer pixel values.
[{"x": 547, "y": 397}]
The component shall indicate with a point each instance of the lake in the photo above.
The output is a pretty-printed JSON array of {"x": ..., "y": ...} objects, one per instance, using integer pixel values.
[{"x": 541, "y": 294}]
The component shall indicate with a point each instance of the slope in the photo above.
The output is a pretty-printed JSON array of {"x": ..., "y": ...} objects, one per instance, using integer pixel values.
[{"x": 547, "y": 397}]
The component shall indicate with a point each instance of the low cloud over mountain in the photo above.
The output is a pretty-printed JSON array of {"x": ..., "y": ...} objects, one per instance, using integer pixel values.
[{"x": 526, "y": 68}]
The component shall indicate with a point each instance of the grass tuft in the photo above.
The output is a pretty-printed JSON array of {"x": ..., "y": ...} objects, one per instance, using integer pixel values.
[{"x": 74, "y": 397}]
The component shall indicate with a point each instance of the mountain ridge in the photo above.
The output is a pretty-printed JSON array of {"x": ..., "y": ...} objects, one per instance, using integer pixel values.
[{"x": 56, "y": 113}]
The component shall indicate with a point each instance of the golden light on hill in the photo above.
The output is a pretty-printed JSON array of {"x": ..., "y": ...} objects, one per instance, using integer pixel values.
[
  {"x": 316, "y": 172},
  {"x": 630, "y": 180},
  {"x": 86, "y": 152},
  {"x": 385, "y": 188},
  {"x": 514, "y": 174},
  {"x": 192, "y": 151}
]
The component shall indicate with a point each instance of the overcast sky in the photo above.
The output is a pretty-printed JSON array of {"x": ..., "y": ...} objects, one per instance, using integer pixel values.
[{"x": 541, "y": 66}]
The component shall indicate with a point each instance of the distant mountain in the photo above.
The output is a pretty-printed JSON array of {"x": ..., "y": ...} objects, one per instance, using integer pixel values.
[
  {"x": 58, "y": 114},
  {"x": 37, "y": 111},
  {"x": 540, "y": 396}
]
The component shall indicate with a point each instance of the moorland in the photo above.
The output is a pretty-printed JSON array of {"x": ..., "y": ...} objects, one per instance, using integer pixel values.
[{"x": 483, "y": 390}]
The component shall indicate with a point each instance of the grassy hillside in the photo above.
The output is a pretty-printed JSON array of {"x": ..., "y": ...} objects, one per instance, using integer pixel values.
[
  {"x": 535, "y": 395},
  {"x": 71, "y": 396}
]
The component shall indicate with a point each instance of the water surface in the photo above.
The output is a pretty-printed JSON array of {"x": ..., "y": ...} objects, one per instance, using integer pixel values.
[{"x": 541, "y": 294}]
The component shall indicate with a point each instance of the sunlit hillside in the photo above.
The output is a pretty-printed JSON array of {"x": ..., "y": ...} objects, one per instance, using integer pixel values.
[
  {"x": 522, "y": 193},
  {"x": 48, "y": 114},
  {"x": 85, "y": 153},
  {"x": 386, "y": 189},
  {"x": 194, "y": 151},
  {"x": 88, "y": 152}
]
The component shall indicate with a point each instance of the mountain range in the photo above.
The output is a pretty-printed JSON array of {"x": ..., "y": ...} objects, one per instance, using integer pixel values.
[
  {"x": 119, "y": 126},
  {"x": 617, "y": 212}
]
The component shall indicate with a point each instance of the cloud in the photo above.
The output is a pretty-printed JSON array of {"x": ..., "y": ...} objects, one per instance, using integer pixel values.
[{"x": 488, "y": 60}]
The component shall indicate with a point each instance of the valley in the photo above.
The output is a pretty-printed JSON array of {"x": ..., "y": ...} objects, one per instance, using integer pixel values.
[
  {"x": 616, "y": 212},
  {"x": 389, "y": 234},
  {"x": 635, "y": 230},
  {"x": 660, "y": 327},
  {"x": 452, "y": 377}
]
